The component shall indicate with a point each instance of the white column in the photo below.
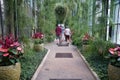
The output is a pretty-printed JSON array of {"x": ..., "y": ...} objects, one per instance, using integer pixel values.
[
  {"x": 35, "y": 16},
  {"x": 108, "y": 21}
]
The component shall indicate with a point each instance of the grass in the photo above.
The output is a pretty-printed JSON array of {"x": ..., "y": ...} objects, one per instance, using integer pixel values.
[
  {"x": 98, "y": 64},
  {"x": 29, "y": 63}
]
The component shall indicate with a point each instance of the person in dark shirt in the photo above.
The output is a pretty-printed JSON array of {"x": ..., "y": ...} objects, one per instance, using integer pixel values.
[{"x": 58, "y": 31}]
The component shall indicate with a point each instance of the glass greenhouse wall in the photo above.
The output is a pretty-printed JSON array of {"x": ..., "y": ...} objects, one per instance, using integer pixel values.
[
  {"x": 99, "y": 15},
  {"x": 116, "y": 19}
]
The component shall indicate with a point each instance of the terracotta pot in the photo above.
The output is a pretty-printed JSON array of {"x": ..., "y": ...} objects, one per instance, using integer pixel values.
[
  {"x": 11, "y": 72},
  {"x": 113, "y": 72},
  {"x": 38, "y": 47}
]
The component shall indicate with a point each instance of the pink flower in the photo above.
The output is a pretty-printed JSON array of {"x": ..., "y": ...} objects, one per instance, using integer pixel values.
[
  {"x": 22, "y": 51},
  {"x": 15, "y": 44},
  {"x": 6, "y": 54},
  {"x": 19, "y": 48},
  {"x": 112, "y": 50},
  {"x": 3, "y": 50},
  {"x": 119, "y": 53}
]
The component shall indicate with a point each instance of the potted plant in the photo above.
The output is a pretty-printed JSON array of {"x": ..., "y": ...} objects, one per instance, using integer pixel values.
[
  {"x": 85, "y": 41},
  {"x": 10, "y": 52},
  {"x": 38, "y": 41},
  {"x": 114, "y": 65}
]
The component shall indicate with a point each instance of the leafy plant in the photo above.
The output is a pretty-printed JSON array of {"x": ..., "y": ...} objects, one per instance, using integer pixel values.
[
  {"x": 38, "y": 35},
  {"x": 30, "y": 62},
  {"x": 114, "y": 56},
  {"x": 98, "y": 64},
  {"x": 10, "y": 51},
  {"x": 38, "y": 41},
  {"x": 86, "y": 38},
  {"x": 38, "y": 38}
]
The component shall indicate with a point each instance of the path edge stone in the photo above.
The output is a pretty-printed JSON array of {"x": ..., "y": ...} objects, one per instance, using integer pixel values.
[
  {"x": 91, "y": 70},
  {"x": 40, "y": 66}
]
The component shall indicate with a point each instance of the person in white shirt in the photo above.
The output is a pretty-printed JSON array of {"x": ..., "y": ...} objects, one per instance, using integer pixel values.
[
  {"x": 62, "y": 35},
  {"x": 67, "y": 34}
]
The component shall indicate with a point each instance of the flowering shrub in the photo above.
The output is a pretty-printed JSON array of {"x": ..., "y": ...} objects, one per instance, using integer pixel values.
[
  {"x": 10, "y": 50},
  {"x": 86, "y": 38},
  {"x": 38, "y": 37},
  {"x": 115, "y": 56}
]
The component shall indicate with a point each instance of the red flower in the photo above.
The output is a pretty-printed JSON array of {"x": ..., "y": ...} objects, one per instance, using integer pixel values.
[
  {"x": 10, "y": 50},
  {"x": 38, "y": 35},
  {"x": 7, "y": 41}
]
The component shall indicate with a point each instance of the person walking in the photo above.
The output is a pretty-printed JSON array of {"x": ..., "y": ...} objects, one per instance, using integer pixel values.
[
  {"x": 58, "y": 31},
  {"x": 67, "y": 34}
]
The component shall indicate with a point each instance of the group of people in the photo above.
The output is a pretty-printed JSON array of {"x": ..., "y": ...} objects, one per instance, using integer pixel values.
[{"x": 63, "y": 33}]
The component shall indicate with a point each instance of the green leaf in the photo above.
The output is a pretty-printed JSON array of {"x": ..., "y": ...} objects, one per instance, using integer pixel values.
[
  {"x": 12, "y": 61},
  {"x": 13, "y": 51},
  {"x": 0, "y": 60},
  {"x": 113, "y": 60},
  {"x": 17, "y": 60}
]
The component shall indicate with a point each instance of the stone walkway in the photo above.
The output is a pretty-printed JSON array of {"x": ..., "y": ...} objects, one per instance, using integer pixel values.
[{"x": 63, "y": 63}]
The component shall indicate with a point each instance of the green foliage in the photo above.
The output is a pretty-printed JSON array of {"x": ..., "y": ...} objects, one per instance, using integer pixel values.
[
  {"x": 77, "y": 40},
  {"x": 24, "y": 39},
  {"x": 95, "y": 54},
  {"x": 30, "y": 62},
  {"x": 38, "y": 41},
  {"x": 100, "y": 47},
  {"x": 78, "y": 33},
  {"x": 61, "y": 13},
  {"x": 98, "y": 64}
]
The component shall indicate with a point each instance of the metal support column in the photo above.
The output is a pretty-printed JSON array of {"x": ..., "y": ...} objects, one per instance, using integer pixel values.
[
  {"x": 108, "y": 20},
  {"x": 1, "y": 20}
]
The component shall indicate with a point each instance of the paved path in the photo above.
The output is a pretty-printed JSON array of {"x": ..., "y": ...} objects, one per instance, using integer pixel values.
[{"x": 73, "y": 68}]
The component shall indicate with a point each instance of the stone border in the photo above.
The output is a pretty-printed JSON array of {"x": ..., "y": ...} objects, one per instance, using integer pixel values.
[
  {"x": 40, "y": 66},
  {"x": 91, "y": 70}
]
